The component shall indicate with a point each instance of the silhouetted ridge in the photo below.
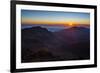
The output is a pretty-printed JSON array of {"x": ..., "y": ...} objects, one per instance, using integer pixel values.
[
  {"x": 79, "y": 28},
  {"x": 39, "y": 44},
  {"x": 77, "y": 40},
  {"x": 37, "y": 28}
]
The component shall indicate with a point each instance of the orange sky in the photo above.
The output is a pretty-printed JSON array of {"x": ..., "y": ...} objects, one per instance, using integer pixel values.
[{"x": 54, "y": 18}]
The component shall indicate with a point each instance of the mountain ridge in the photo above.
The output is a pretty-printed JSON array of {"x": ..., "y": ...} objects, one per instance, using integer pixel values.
[{"x": 57, "y": 44}]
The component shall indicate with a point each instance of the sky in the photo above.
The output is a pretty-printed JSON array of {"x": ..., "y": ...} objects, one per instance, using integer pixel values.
[{"x": 54, "y": 18}]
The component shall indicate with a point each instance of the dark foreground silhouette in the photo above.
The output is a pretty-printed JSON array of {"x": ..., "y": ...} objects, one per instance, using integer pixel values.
[{"x": 40, "y": 45}]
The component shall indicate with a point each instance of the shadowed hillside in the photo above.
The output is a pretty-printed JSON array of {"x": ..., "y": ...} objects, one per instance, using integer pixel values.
[{"x": 39, "y": 44}]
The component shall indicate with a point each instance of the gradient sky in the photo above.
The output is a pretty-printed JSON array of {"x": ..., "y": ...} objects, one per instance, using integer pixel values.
[{"x": 54, "y": 17}]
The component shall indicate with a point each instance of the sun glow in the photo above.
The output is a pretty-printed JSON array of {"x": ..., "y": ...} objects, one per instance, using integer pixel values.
[{"x": 71, "y": 24}]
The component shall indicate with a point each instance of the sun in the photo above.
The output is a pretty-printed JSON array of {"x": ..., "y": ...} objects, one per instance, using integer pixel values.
[{"x": 72, "y": 24}]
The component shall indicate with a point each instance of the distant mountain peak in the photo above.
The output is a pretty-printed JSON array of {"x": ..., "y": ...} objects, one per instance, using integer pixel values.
[
  {"x": 76, "y": 27},
  {"x": 36, "y": 28}
]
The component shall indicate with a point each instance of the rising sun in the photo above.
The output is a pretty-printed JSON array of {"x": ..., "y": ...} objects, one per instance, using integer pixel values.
[{"x": 72, "y": 24}]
